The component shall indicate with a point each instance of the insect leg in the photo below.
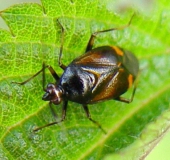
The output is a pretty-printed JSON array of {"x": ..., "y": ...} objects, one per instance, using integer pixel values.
[
  {"x": 52, "y": 71},
  {"x": 91, "y": 40},
  {"x": 53, "y": 111},
  {"x": 54, "y": 74},
  {"x": 53, "y": 123},
  {"x": 89, "y": 117},
  {"x": 122, "y": 99},
  {"x": 61, "y": 47}
]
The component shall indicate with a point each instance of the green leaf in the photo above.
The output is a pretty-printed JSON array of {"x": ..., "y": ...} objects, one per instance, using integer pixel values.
[{"x": 34, "y": 37}]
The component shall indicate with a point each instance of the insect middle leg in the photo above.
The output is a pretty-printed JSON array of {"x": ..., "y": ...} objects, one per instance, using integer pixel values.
[
  {"x": 91, "y": 40},
  {"x": 89, "y": 117}
]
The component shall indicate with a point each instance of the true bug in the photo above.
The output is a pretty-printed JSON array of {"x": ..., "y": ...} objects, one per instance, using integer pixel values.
[{"x": 100, "y": 74}]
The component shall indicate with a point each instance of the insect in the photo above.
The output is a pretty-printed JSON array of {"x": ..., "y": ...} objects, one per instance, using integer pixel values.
[{"x": 102, "y": 73}]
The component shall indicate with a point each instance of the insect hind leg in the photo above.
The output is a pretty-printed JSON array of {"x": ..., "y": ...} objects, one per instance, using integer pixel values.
[
  {"x": 125, "y": 100},
  {"x": 93, "y": 36}
]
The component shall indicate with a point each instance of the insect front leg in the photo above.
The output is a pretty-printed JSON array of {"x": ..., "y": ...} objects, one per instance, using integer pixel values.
[
  {"x": 61, "y": 47},
  {"x": 64, "y": 109},
  {"x": 52, "y": 71}
]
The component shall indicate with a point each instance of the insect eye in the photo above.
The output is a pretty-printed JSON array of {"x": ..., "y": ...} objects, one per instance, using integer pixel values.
[
  {"x": 50, "y": 88},
  {"x": 49, "y": 91},
  {"x": 50, "y": 85}
]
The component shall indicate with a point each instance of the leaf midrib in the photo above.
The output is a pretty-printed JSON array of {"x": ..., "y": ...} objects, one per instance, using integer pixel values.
[{"x": 124, "y": 119}]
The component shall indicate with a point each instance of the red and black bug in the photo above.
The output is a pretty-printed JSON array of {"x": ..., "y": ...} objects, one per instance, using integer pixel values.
[{"x": 102, "y": 73}]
